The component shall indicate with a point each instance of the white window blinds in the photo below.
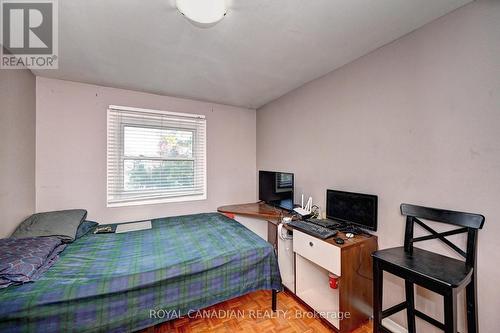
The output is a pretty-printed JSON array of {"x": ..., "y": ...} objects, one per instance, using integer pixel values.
[{"x": 155, "y": 156}]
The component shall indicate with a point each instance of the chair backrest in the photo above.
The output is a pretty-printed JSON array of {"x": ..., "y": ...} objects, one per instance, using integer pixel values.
[{"x": 469, "y": 223}]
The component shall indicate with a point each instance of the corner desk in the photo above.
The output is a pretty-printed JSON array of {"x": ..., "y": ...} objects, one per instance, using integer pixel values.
[{"x": 310, "y": 261}]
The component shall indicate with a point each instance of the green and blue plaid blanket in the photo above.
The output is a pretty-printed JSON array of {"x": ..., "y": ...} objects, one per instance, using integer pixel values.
[{"x": 113, "y": 282}]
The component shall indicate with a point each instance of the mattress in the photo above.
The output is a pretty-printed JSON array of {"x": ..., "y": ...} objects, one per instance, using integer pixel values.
[{"x": 117, "y": 282}]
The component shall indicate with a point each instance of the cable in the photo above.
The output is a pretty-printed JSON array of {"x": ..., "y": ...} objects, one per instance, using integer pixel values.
[
  {"x": 316, "y": 212},
  {"x": 280, "y": 233}
]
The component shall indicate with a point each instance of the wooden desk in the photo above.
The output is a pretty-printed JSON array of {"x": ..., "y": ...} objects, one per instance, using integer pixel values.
[
  {"x": 258, "y": 210},
  {"x": 313, "y": 259},
  {"x": 351, "y": 262},
  {"x": 255, "y": 216}
]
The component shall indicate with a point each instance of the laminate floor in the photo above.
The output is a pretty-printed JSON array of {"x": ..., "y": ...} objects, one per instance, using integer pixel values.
[{"x": 251, "y": 313}]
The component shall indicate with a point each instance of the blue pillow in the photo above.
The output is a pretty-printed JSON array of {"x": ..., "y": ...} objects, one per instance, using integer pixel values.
[{"x": 85, "y": 228}]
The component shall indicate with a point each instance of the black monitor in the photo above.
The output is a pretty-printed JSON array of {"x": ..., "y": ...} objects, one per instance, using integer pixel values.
[
  {"x": 276, "y": 188},
  {"x": 352, "y": 208}
]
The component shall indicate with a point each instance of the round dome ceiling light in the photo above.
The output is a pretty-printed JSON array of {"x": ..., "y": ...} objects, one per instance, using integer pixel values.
[{"x": 203, "y": 13}]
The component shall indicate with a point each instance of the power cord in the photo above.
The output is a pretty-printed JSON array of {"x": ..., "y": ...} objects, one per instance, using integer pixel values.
[{"x": 316, "y": 212}]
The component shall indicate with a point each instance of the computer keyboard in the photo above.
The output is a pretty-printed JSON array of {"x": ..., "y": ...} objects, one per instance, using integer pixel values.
[
  {"x": 313, "y": 229},
  {"x": 326, "y": 223},
  {"x": 334, "y": 225}
]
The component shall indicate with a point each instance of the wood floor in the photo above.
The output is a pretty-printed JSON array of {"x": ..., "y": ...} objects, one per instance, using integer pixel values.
[{"x": 251, "y": 313}]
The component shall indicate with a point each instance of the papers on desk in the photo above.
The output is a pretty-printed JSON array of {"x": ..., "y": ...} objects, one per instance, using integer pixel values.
[{"x": 135, "y": 226}]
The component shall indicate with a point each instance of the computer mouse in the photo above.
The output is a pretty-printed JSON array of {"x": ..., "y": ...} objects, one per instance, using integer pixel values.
[{"x": 339, "y": 240}]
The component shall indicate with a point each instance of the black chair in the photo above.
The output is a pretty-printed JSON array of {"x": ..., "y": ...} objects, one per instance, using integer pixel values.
[{"x": 441, "y": 274}]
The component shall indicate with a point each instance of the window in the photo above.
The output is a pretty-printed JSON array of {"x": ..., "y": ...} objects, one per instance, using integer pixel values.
[{"x": 155, "y": 156}]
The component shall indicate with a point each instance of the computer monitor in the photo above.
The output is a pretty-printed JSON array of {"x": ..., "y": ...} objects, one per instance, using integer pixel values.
[
  {"x": 276, "y": 188},
  {"x": 356, "y": 209}
]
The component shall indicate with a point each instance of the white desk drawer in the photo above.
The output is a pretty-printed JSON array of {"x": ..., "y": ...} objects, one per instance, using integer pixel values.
[{"x": 318, "y": 251}]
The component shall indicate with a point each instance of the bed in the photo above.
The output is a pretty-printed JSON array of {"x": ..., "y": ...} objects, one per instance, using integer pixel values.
[{"x": 126, "y": 282}]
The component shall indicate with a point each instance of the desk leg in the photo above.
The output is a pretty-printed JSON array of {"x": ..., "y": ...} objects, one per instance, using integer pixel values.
[{"x": 272, "y": 234}]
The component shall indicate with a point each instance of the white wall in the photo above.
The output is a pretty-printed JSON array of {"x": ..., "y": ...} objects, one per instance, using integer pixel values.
[
  {"x": 17, "y": 148},
  {"x": 71, "y": 150},
  {"x": 416, "y": 121}
]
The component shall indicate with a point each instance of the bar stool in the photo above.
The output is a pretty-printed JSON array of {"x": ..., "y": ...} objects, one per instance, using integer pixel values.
[{"x": 443, "y": 275}]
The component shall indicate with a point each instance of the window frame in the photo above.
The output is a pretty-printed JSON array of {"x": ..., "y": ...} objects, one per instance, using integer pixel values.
[{"x": 122, "y": 157}]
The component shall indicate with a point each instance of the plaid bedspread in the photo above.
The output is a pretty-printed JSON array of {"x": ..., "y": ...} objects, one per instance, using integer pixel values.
[{"x": 111, "y": 282}]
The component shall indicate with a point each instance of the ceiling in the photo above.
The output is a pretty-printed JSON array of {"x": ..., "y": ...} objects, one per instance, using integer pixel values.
[{"x": 261, "y": 50}]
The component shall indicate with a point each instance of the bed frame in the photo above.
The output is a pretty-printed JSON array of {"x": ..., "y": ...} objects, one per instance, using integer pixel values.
[{"x": 273, "y": 301}]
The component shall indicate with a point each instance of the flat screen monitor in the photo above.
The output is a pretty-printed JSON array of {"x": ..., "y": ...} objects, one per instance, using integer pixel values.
[
  {"x": 353, "y": 208},
  {"x": 276, "y": 188}
]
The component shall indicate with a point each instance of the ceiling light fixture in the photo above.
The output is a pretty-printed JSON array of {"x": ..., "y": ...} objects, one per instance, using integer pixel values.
[{"x": 203, "y": 13}]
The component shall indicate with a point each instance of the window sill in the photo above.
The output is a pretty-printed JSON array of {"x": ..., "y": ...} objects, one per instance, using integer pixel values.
[{"x": 157, "y": 201}]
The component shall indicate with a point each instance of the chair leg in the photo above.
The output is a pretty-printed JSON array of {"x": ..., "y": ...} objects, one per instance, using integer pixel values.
[
  {"x": 410, "y": 309},
  {"x": 450, "y": 312},
  {"x": 377, "y": 296},
  {"x": 471, "y": 299}
]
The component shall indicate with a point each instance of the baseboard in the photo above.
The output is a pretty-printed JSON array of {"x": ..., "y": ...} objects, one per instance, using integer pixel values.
[{"x": 393, "y": 326}]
